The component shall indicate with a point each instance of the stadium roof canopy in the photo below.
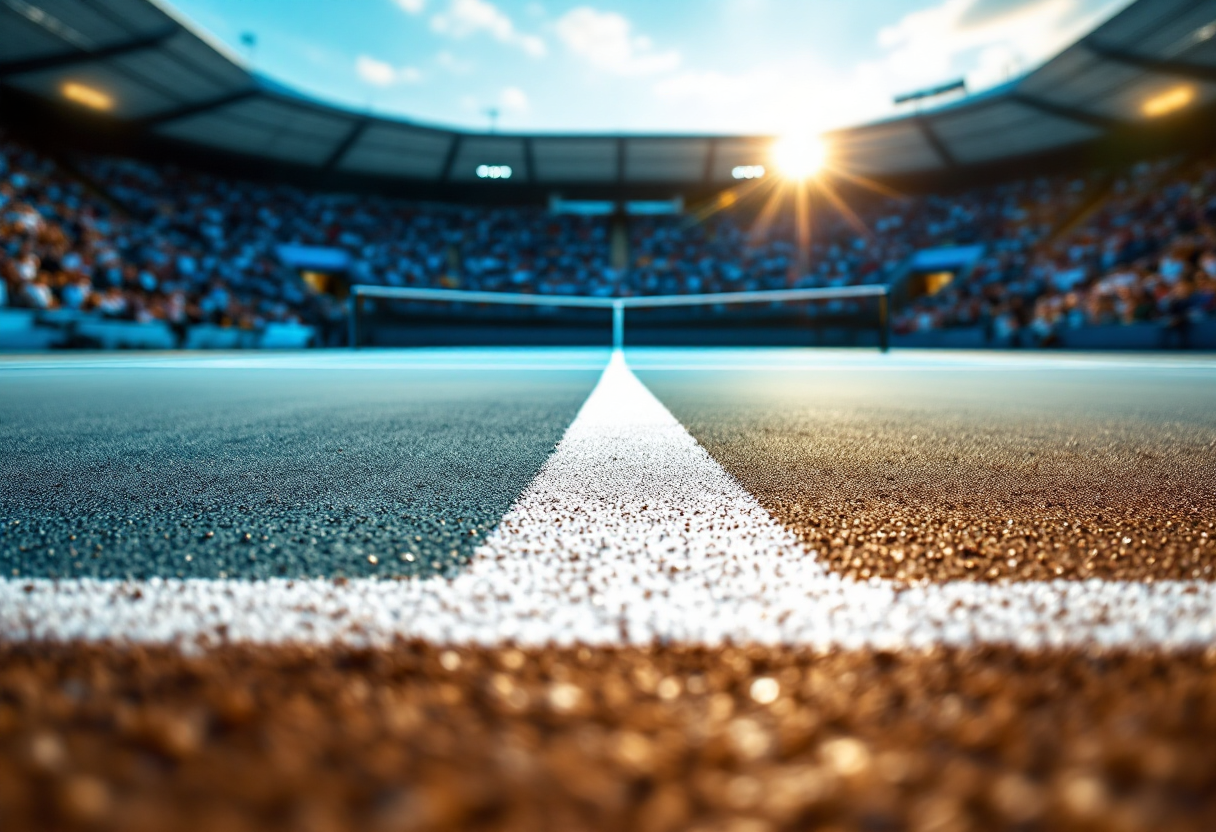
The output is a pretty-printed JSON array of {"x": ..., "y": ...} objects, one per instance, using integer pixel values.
[{"x": 143, "y": 66}]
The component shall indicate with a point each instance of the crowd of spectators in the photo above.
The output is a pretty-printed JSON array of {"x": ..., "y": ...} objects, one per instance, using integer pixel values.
[
  {"x": 67, "y": 245},
  {"x": 1143, "y": 249},
  {"x": 151, "y": 242}
]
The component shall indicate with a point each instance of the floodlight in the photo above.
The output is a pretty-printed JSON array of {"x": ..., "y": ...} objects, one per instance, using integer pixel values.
[
  {"x": 493, "y": 171},
  {"x": 1167, "y": 102},
  {"x": 799, "y": 157},
  {"x": 88, "y": 96}
]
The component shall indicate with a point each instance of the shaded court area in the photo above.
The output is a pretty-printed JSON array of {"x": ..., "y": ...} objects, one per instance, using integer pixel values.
[{"x": 292, "y": 466}]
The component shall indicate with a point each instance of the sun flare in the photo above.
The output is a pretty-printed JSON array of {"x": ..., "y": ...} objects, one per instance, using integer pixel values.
[{"x": 799, "y": 157}]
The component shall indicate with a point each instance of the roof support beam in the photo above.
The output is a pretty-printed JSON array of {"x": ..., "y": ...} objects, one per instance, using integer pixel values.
[
  {"x": 620, "y": 162},
  {"x": 1165, "y": 66},
  {"x": 449, "y": 161},
  {"x": 529, "y": 161},
  {"x": 346, "y": 144},
  {"x": 82, "y": 56},
  {"x": 198, "y": 107},
  {"x": 1059, "y": 111},
  {"x": 708, "y": 174},
  {"x": 935, "y": 142}
]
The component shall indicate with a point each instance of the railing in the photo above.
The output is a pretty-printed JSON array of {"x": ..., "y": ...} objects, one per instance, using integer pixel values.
[{"x": 360, "y": 292}]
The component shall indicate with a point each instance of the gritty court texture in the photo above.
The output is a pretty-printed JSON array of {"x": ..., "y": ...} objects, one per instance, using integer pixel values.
[{"x": 748, "y": 590}]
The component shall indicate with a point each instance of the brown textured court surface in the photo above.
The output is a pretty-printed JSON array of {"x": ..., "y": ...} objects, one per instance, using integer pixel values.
[
  {"x": 662, "y": 738},
  {"x": 991, "y": 475}
]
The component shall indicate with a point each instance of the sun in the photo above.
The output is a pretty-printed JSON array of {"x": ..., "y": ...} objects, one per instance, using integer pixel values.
[{"x": 799, "y": 157}]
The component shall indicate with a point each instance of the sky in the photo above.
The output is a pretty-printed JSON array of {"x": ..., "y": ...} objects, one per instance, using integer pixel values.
[{"x": 771, "y": 67}]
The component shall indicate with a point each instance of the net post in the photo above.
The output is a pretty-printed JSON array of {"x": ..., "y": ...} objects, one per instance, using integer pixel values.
[
  {"x": 884, "y": 321},
  {"x": 356, "y": 306},
  {"x": 618, "y": 325}
]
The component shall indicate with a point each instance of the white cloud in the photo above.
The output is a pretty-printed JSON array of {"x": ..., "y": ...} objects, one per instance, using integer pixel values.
[
  {"x": 987, "y": 41},
  {"x": 411, "y": 6},
  {"x": 375, "y": 72},
  {"x": 514, "y": 99},
  {"x": 383, "y": 74},
  {"x": 463, "y": 18},
  {"x": 453, "y": 64},
  {"x": 710, "y": 86},
  {"x": 786, "y": 98},
  {"x": 984, "y": 41},
  {"x": 533, "y": 45},
  {"x": 606, "y": 41}
]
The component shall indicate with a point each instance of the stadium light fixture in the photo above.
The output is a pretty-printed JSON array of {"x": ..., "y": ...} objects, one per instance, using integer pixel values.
[
  {"x": 1172, "y": 99},
  {"x": 493, "y": 171},
  {"x": 90, "y": 97},
  {"x": 799, "y": 157},
  {"x": 748, "y": 171}
]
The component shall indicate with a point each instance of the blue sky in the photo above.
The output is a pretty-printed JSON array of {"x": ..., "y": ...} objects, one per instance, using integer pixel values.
[{"x": 720, "y": 66}]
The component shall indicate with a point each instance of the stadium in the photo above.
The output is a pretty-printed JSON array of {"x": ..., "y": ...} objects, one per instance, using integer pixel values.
[{"x": 364, "y": 466}]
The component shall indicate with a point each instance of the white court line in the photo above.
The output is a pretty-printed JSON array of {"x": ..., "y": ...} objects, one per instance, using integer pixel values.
[
  {"x": 878, "y": 368},
  {"x": 645, "y": 359},
  {"x": 631, "y": 532},
  {"x": 442, "y": 359},
  {"x": 763, "y": 359}
]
